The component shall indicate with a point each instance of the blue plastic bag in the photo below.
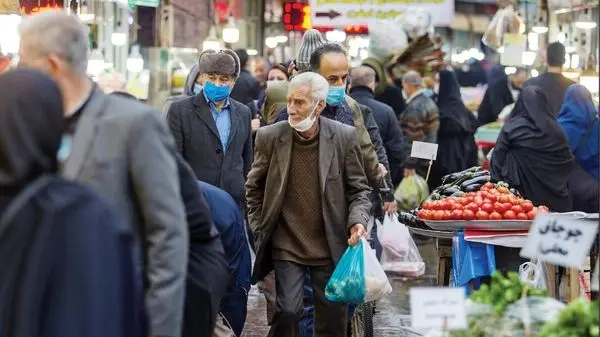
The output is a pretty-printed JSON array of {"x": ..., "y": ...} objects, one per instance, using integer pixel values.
[
  {"x": 347, "y": 283},
  {"x": 358, "y": 277}
]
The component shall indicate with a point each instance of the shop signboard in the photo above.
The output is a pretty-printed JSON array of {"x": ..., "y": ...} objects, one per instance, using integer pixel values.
[
  {"x": 145, "y": 3},
  {"x": 514, "y": 47},
  {"x": 30, "y": 7},
  {"x": 339, "y": 13}
]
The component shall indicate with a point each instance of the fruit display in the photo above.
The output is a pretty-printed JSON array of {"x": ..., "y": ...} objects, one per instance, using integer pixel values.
[
  {"x": 489, "y": 202},
  {"x": 580, "y": 318}
]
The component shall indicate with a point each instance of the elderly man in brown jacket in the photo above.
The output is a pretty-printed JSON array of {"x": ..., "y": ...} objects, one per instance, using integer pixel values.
[{"x": 306, "y": 194}]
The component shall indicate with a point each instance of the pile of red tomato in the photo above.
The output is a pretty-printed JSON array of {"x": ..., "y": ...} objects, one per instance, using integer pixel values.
[{"x": 489, "y": 203}]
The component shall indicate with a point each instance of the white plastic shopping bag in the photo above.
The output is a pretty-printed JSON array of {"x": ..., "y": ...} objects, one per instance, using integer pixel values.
[
  {"x": 533, "y": 273},
  {"x": 377, "y": 284},
  {"x": 400, "y": 254}
]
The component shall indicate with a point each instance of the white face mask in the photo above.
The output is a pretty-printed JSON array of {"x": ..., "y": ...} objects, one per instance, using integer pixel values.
[{"x": 306, "y": 123}]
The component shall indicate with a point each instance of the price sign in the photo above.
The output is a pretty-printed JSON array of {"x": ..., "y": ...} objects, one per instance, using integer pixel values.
[
  {"x": 560, "y": 241},
  {"x": 438, "y": 308},
  {"x": 424, "y": 150}
]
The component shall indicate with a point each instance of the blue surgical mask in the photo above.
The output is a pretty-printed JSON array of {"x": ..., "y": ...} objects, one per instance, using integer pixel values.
[
  {"x": 428, "y": 92},
  {"x": 197, "y": 88},
  {"x": 336, "y": 95},
  {"x": 216, "y": 93}
]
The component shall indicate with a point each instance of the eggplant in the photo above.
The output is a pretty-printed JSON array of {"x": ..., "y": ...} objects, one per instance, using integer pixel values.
[
  {"x": 473, "y": 188},
  {"x": 453, "y": 177},
  {"x": 458, "y": 194},
  {"x": 450, "y": 190},
  {"x": 475, "y": 181}
]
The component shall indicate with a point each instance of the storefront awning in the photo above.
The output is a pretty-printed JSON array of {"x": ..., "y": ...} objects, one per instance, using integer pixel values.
[{"x": 9, "y": 7}]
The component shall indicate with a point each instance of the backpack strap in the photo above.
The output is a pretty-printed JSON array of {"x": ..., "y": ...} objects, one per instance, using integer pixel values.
[{"x": 22, "y": 199}]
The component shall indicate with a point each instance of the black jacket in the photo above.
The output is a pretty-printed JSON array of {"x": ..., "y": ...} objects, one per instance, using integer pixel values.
[
  {"x": 389, "y": 130},
  {"x": 392, "y": 96},
  {"x": 246, "y": 88},
  {"x": 198, "y": 142},
  {"x": 496, "y": 97}
]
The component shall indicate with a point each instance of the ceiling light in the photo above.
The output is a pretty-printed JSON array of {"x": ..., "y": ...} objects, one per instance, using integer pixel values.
[
  {"x": 231, "y": 34},
  {"x": 528, "y": 58},
  {"x": 510, "y": 70},
  {"x": 281, "y": 39},
  {"x": 535, "y": 73},
  {"x": 585, "y": 24},
  {"x": 118, "y": 39},
  {"x": 539, "y": 29},
  {"x": 271, "y": 42},
  {"x": 561, "y": 37},
  {"x": 252, "y": 52}
]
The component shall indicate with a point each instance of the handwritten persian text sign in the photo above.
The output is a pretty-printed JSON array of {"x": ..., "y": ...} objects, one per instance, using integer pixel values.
[
  {"x": 339, "y": 13},
  {"x": 424, "y": 150},
  {"x": 564, "y": 242},
  {"x": 438, "y": 307}
]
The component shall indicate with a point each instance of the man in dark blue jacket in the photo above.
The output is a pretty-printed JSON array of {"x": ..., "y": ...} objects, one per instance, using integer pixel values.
[
  {"x": 230, "y": 224},
  {"x": 362, "y": 88}
]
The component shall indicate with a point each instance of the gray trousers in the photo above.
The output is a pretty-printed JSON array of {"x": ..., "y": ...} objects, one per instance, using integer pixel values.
[{"x": 331, "y": 319}]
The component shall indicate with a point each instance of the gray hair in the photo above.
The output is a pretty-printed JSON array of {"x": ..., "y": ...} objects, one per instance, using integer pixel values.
[
  {"x": 316, "y": 83},
  {"x": 362, "y": 76},
  {"x": 413, "y": 78},
  {"x": 56, "y": 32}
]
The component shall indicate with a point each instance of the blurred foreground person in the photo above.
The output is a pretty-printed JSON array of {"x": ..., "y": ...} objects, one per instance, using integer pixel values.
[
  {"x": 578, "y": 118},
  {"x": 67, "y": 266},
  {"x": 230, "y": 223},
  {"x": 246, "y": 87},
  {"x": 532, "y": 153},
  {"x": 207, "y": 270},
  {"x": 295, "y": 160},
  {"x": 124, "y": 151}
]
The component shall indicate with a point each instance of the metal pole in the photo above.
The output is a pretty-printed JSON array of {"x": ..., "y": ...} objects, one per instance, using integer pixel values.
[{"x": 260, "y": 28}]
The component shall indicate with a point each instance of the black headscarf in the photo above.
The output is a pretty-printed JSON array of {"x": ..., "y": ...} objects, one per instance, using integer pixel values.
[
  {"x": 532, "y": 152},
  {"x": 31, "y": 127},
  {"x": 454, "y": 115}
]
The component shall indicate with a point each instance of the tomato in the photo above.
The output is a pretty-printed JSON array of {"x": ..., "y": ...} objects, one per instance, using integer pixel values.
[
  {"x": 487, "y": 207},
  {"x": 470, "y": 198},
  {"x": 484, "y": 194},
  {"x": 478, "y": 200},
  {"x": 468, "y": 214},
  {"x": 447, "y": 215},
  {"x": 504, "y": 199},
  {"x": 517, "y": 209},
  {"x": 543, "y": 209},
  {"x": 522, "y": 216},
  {"x": 457, "y": 214},
  {"x": 442, "y": 205},
  {"x": 457, "y": 206},
  {"x": 463, "y": 201},
  {"x": 500, "y": 208},
  {"x": 492, "y": 197},
  {"x": 503, "y": 190},
  {"x": 531, "y": 214},
  {"x": 482, "y": 215},
  {"x": 428, "y": 204},
  {"x": 509, "y": 215},
  {"x": 487, "y": 186},
  {"x": 473, "y": 207},
  {"x": 495, "y": 216},
  {"x": 508, "y": 205},
  {"x": 527, "y": 206},
  {"x": 514, "y": 200},
  {"x": 525, "y": 201},
  {"x": 493, "y": 191},
  {"x": 438, "y": 215}
]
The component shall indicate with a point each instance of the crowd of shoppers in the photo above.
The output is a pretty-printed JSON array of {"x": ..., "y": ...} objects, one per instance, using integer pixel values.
[{"x": 161, "y": 214}]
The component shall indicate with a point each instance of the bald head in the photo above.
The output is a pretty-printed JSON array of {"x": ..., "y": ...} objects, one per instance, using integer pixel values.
[{"x": 363, "y": 76}]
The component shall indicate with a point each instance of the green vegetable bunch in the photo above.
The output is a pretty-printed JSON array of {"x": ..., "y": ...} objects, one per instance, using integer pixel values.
[
  {"x": 579, "y": 319},
  {"x": 503, "y": 291}
]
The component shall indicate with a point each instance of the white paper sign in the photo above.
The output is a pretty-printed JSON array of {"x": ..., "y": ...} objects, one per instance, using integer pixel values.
[
  {"x": 424, "y": 150},
  {"x": 438, "y": 307},
  {"x": 560, "y": 241}
]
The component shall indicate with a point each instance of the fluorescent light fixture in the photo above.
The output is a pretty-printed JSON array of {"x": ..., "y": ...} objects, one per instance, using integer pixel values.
[
  {"x": 231, "y": 34},
  {"x": 539, "y": 29},
  {"x": 510, "y": 70},
  {"x": 271, "y": 42},
  {"x": 135, "y": 62},
  {"x": 501, "y": 50},
  {"x": 585, "y": 24},
  {"x": 574, "y": 61},
  {"x": 95, "y": 63},
  {"x": 561, "y": 37},
  {"x": 338, "y": 36},
  {"x": 210, "y": 43},
  {"x": 281, "y": 39},
  {"x": 534, "y": 41},
  {"x": 535, "y": 73},
  {"x": 87, "y": 17},
  {"x": 570, "y": 49},
  {"x": 252, "y": 52},
  {"x": 118, "y": 39},
  {"x": 528, "y": 58}
]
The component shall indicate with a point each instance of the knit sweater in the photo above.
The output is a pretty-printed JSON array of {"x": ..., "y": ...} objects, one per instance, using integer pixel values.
[{"x": 300, "y": 236}]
